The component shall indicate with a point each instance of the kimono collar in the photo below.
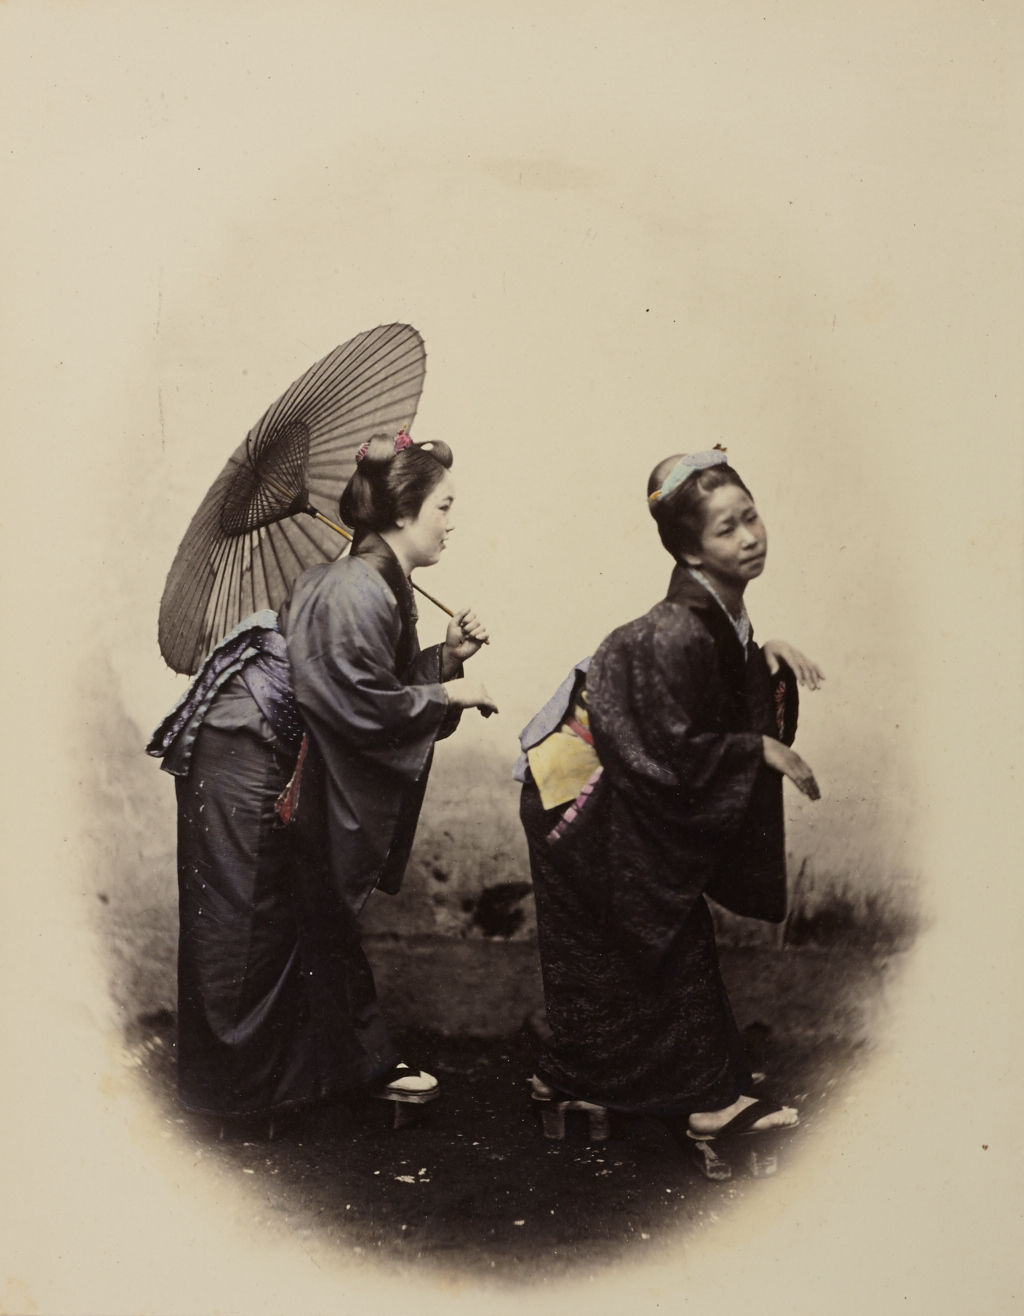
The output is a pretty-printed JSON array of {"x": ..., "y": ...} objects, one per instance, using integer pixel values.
[
  {"x": 378, "y": 554},
  {"x": 740, "y": 624},
  {"x": 684, "y": 589}
]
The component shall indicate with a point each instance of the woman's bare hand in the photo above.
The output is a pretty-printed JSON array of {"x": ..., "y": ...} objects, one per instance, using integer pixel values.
[
  {"x": 466, "y": 635},
  {"x": 807, "y": 672},
  {"x": 791, "y": 765},
  {"x": 471, "y": 694}
]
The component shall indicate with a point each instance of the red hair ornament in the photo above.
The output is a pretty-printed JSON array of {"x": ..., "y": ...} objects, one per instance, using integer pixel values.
[{"x": 402, "y": 440}]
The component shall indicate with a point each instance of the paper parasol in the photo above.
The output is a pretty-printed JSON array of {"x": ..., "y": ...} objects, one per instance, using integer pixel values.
[{"x": 267, "y": 516}]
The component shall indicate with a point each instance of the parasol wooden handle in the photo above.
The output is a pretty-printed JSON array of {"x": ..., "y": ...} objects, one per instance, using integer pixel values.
[
  {"x": 334, "y": 526},
  {"x": 320, "y": 517}
]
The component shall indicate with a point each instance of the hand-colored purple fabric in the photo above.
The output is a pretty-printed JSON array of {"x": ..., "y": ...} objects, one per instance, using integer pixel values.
[
  {"x": 276, "y": 1002},
  {"x": 268, "y": 679},
  {"x": 174, "y": 738},
  {"x": 373, "y": 705},
  {"x": 548, "y": 719}
]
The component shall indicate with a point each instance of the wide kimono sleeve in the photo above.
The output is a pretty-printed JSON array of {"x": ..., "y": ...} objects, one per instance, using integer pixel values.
[
  {"x": 686, "y": 803},
  {"x": 342, "y": 638},
  {"x": 666, "y": 723},
  {"x": 427, "y": 668}
]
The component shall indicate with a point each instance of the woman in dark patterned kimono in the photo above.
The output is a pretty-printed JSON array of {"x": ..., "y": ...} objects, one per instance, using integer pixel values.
[
  {"x": 669, "y": 747},
  {"x": 324, "y": 718}
]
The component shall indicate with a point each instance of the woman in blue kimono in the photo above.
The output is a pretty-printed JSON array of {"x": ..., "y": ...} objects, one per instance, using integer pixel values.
[
  {"x": 668, "y": 747},
  {"x": 301, "y": 754}
]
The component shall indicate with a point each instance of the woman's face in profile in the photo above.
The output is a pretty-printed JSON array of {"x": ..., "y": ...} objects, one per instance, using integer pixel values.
[
  {"x": 734, "y": 541},
  {"x": 423, "y": 540}
]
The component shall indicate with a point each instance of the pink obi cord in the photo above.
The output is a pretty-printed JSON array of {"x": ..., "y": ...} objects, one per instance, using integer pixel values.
[{"x": 572, "y": 812}]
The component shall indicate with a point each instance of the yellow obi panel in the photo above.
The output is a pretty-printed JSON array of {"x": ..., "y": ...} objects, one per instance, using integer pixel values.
[{"x": 563, "y": 763}]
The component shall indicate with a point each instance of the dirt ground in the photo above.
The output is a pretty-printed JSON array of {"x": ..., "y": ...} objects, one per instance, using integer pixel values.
[{"x": 475, "y": 1188}]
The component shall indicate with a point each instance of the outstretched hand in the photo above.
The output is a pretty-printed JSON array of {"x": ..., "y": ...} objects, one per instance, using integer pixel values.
[
  {"x": 791, "y": 765},
  {"x": 466, "y": 635},
  {"x": 807, "y": 673},
  {"x": 470, "y": 694}
]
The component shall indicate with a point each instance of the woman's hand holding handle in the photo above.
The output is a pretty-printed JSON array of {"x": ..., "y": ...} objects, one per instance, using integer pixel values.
[
  {"x": 791, "y": 765},
  {"x": 465, "y": 636},
  {"x": 470, "y": 694}
]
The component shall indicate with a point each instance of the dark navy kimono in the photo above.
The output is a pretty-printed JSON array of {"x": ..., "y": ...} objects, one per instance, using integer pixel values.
[
  {"x": 277, "y": 1006},
  {"x": 685, "y": 806}
]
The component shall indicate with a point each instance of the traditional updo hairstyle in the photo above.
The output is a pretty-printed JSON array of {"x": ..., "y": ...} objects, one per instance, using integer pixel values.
[
  {"x": 388, "y": 485},
  {"x": 680, "y": 515}
]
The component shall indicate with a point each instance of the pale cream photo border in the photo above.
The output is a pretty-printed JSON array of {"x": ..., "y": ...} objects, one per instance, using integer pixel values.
[{"x": 916, "y": 1208}]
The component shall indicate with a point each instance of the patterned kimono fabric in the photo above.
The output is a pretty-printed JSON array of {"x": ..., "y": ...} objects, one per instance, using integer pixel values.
[{"x": 683, "y": 807}]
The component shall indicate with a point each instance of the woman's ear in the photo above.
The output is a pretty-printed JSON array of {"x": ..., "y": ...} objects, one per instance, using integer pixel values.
[
  {"x": 400, "y": 523},
  {"x": 690, "y": 560}
]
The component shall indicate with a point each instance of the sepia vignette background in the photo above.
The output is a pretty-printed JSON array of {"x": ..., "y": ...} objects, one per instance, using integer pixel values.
[{"x": 623, "y": 231}]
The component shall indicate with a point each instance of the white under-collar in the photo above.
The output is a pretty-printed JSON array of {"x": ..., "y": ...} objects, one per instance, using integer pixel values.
[{"x": 740, "y": 624}]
